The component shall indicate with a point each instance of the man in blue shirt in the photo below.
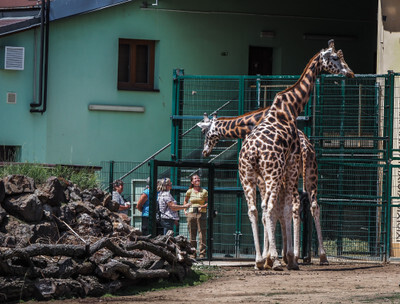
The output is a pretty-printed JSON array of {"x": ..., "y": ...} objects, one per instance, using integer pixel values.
[{"x": 143, "y": 206}]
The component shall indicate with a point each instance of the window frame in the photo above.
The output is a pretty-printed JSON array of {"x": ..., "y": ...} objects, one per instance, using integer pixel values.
[{"x": 131, "y": 84}]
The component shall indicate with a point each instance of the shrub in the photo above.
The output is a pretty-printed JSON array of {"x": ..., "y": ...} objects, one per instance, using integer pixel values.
[{"x": 85, "y": 178}]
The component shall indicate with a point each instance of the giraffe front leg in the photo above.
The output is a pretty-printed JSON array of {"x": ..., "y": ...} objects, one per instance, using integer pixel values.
[
  {"x": 282, "y": 223},
  {"x": 288, "y": 213},
  {"x": 284, "y": 239},
  {"x": 267, "y": 258},
  {"x": 292, "y": 262},
  {"x": 271, "y": 219},
  {"x": 261, "y": 187},
  {"x": 323, "y": 260}
]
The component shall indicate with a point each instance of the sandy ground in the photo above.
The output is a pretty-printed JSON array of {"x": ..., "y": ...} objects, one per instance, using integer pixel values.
[{"x": 336, "y": 283}]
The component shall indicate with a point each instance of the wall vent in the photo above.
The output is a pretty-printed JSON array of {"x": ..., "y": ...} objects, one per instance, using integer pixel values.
[
  {"x": 11, "y": 98},
  {"x": 13, "y": 58}
]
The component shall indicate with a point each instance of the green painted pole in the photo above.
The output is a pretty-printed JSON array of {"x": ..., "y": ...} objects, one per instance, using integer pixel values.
[
  {"x": 111, "y": 177},
  {"x": 153, "y": 198}
]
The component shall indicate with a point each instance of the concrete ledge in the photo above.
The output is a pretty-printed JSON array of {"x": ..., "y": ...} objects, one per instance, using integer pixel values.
[{"x": 112, "y": 108}]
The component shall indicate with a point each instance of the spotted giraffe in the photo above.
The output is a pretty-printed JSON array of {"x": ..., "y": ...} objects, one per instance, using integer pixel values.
[
  {"x": 238, "y": 127},
  {"x": 272, "y": 151}
]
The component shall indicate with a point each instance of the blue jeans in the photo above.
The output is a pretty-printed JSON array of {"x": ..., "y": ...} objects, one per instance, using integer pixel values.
[{"x": 167, "y": 224}]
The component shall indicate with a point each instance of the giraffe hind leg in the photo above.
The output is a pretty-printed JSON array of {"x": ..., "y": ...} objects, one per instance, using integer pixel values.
[{"x": 248, "y": 182}]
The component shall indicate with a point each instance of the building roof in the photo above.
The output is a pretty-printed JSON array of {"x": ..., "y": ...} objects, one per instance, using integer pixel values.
[
  {"x": 19, "y": 15},
  {"x": 19, "y": 4}
]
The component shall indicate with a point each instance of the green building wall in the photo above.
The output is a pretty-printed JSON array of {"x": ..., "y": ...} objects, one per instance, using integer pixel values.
[{"x": 83, "y": 61}]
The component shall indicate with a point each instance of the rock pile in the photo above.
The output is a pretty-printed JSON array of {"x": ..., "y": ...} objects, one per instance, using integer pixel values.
[{"x": 59, "y": 241}]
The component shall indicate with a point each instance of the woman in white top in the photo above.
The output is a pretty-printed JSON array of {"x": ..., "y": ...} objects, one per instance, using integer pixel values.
[{"x": 168, "y": 206}]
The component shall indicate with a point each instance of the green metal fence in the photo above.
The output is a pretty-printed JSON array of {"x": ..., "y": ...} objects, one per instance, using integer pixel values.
[{"x": 354, "y": 126}]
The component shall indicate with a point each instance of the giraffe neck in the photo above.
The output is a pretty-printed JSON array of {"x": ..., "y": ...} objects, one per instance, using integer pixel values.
[
  {"x": 239, "y": 127},
  {"x": 293, "y": 100}
]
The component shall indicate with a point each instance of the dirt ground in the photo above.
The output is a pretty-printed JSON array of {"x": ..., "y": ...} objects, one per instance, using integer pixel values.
[{"x": 336, "y": 283}]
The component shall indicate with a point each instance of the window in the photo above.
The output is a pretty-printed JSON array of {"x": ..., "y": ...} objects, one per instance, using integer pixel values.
[
  {"x": 136, "y": 64},
  {"x": 9, "y": 153}
]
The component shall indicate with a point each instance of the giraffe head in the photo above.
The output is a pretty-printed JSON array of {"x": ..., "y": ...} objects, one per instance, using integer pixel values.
[
  {"x": 333, "y": 61},
  {"x": 211, "y": 133}
]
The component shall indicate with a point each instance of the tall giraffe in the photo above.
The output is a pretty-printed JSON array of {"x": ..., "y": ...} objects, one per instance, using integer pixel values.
[
  {"x": 238, "y": 127},
  {"x": 272, "y": 151}
]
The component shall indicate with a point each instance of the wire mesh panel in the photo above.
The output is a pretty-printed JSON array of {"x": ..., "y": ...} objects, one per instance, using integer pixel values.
[{"x": 350, "y": 137}]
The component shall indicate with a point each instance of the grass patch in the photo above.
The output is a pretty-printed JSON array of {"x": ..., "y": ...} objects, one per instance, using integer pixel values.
[{"x": 85, "y": 178}]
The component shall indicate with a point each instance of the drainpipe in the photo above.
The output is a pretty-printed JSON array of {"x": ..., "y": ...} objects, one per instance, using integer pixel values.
[{"x": 44, "y": 47}]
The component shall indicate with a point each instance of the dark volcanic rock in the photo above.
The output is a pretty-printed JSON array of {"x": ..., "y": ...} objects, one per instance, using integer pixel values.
[{"x": 16, "y": 184}]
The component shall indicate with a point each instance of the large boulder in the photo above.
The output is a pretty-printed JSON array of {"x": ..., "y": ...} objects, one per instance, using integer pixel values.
[
  {"x": 52, "y": 192},
  {"x": 26, "y": 207},
  {"x": 17, "y": 184}
]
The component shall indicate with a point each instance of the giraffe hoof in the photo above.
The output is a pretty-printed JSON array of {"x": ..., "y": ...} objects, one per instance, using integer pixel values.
[
  {"x": 277, "y": 266},
  {"x": 323, "y": 260},
  {"x": 268, "y": 264},
  {"x": 259, "y": 265},
  {"x": 293, "y": 266},
  {"x": 307, "y": 260}
]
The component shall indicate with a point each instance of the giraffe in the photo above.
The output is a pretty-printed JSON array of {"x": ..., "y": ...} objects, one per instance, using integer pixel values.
[
  {"x": 272, "y": 151},
  {"x": 238, "y": 127}
]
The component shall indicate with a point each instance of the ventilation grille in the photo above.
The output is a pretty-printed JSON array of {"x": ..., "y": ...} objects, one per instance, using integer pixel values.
[
  {"x": 12, "y": 98},
  {"x": 14, "y": 58}
]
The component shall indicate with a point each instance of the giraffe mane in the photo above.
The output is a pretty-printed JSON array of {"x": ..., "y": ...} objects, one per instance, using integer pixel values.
[
  {"x": 245, "y": 114},
  {"x": 298, "y": 80}
]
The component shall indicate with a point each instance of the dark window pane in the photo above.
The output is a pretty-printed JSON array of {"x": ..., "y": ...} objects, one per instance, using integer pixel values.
[
  {"x": 8, "y": 153},
  {"x": 142, "y": 63},
  {"x": 123, "y": 63}
]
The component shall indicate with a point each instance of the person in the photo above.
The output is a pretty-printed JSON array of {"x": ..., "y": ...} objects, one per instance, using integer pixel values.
[
  {"x": 168, "y": 206},
  {"x": 197, "y": 214},
  {"x": 143, "y": 206},
  {"x": 124, "y": 206}
]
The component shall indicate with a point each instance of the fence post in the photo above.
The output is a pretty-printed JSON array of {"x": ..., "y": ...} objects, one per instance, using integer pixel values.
[
  {"x": 389, "y": 106},
  {"x": 111, "y": 177},
  {"x": 153, "y": 198},
  {"x": 210, "y": 231}
]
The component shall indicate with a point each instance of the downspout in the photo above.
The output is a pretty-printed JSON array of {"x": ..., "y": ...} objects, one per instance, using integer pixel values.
[
  {"x": 34, "y": 104},
  {"x": 44, "y": 50}
]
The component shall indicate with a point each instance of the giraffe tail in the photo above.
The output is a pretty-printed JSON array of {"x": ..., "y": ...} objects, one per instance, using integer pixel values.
[{"x": 304, "y": 204}]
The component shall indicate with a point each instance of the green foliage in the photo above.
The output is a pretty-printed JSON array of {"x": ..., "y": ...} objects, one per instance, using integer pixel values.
[{"x": 85, "y": 178}]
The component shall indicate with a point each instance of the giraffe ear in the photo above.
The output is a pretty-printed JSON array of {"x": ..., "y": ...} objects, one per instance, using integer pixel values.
[
  {"x": 204, "y": 125},
  {"x": 215, "y": 116},
  {"x": 331, "y": 44}
]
